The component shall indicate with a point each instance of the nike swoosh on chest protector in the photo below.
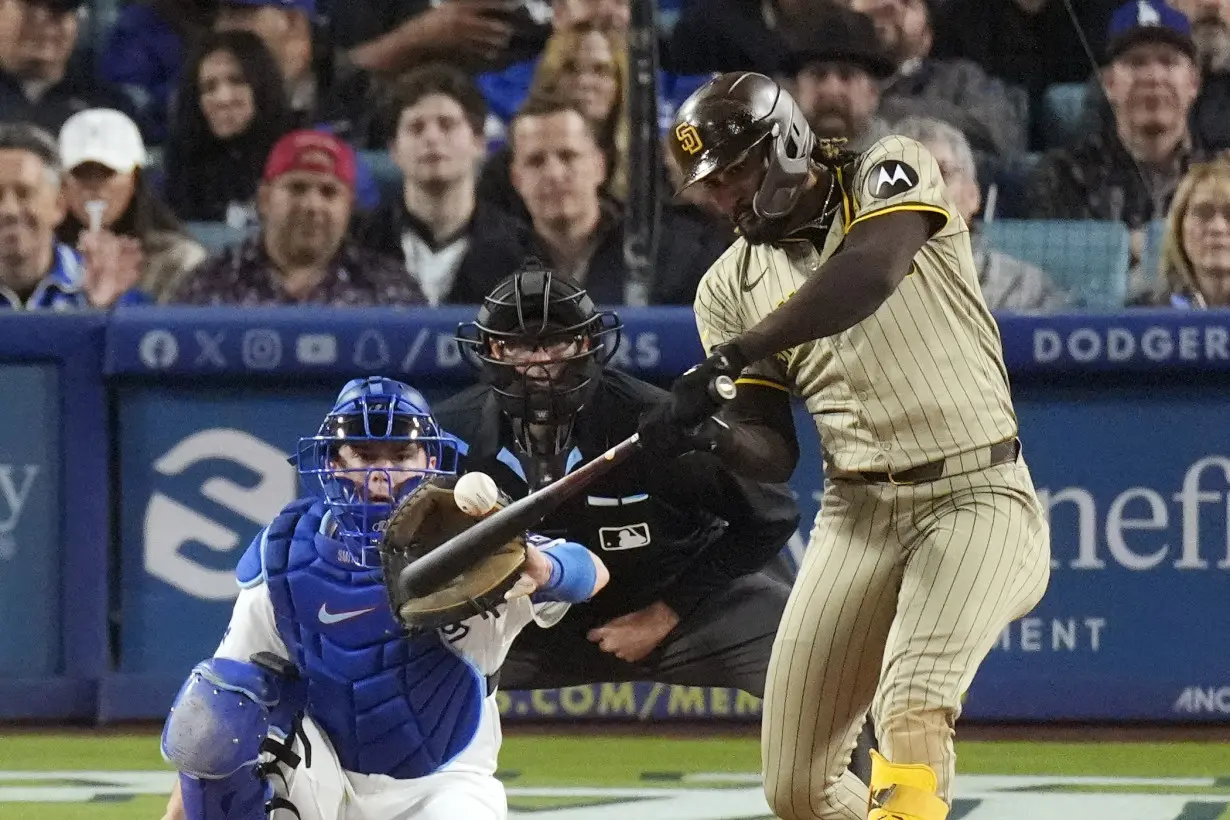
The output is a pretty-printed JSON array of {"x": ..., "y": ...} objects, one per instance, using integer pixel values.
[{"x": 327, "y": 617}]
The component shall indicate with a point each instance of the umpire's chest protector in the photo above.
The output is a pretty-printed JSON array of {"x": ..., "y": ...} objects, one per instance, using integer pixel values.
[{"x": 391, "y": 704}]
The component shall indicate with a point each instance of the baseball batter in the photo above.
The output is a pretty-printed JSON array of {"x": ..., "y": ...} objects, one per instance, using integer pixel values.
[{"x": 853, "y": 286}]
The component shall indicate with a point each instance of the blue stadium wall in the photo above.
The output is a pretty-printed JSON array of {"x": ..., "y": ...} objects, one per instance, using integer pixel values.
[{"x": 142, "y": 450}]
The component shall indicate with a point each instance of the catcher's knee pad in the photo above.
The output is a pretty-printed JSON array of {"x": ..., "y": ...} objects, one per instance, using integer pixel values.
[
  {"x": 219, "y": 728},
  {"x": 903, "y": 791}
]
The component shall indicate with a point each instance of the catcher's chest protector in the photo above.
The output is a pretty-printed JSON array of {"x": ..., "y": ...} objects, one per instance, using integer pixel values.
[{"x": 391, "y": 705}]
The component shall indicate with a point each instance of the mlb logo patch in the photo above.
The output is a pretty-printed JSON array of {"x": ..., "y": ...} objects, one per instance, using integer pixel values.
[{"x": 630, "y": 537}]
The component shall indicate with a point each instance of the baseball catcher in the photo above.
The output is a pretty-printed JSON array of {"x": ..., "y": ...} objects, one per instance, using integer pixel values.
[{"x": 327, "y": 698}]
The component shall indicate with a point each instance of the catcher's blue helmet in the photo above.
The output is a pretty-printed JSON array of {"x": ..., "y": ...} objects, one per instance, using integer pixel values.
[{"x": 369, "y": 411}]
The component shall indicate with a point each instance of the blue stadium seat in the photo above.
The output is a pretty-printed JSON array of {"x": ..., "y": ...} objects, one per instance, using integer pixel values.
[
  {"x": 1087, "y": 258},
  {"x": 1010, "y": 176},
  {"x": 1152, "y": 256},
  {"x": 1065, "y": 113},
  {"x": 100, "y": 19},
  {"x": 387, "y": 175},
  {"x": 216, "y": 236}
]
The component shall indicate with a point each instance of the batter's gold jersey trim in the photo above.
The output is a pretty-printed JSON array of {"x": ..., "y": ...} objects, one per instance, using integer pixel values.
[
  {"x": 845, "y": 201},
  {"x": 762, "y": 383},
  {"x": 911, "y": 206}
]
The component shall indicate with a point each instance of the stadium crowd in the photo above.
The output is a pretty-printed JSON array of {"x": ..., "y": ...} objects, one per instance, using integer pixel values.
[{"x": 401, "y": 152}]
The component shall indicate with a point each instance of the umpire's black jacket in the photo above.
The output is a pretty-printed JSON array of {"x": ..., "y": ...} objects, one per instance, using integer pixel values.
[{"x": 674, "y": 531}]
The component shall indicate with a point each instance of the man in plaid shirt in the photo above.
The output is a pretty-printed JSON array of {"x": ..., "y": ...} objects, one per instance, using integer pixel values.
[{"x": 302, "y": 254}]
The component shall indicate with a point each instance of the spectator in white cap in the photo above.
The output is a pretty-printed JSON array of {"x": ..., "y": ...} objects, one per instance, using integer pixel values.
[
  {"x": 111, "y": 206},
  {"x": 36, "y": 271}
]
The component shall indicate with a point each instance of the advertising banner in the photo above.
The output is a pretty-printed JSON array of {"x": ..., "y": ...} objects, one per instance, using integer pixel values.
[
  {"x": 174, "y": 342},
  {"x": 203, "y": 471},
  {"x": 30, "y": 582},
  {"x": 1123, "y": 417},
  {"x": 1134, "y": 623},
  {"x": 657, "y": 343}
]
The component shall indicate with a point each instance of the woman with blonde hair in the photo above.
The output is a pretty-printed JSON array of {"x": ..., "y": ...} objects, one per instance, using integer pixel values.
[
  {"x": 1195, "y": 258},
  {"x": 589, "y": 68}
]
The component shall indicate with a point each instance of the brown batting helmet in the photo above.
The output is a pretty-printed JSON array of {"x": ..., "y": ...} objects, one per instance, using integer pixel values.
[{"x": 730, "y": 115}]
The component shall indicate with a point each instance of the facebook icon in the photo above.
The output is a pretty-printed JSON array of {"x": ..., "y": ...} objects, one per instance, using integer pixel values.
[{"x": 159, "y": 349}]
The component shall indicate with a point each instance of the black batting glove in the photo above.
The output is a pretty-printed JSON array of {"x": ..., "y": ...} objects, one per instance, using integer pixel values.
[
  {"x": 687, "y": 424},
  {"x": 692, "y": 396},
  {"x": 663, "y": 435}
]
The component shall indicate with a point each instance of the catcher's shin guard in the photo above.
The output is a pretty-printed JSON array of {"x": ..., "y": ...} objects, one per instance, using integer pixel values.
[
  {"x": 902, "y": 791},
  {"x": 252, "y": 793},
  {"x": 242, "y": 796}
]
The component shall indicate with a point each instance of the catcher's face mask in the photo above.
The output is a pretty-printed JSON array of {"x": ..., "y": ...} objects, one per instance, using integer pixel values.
[{"x": 374, "y": 447}]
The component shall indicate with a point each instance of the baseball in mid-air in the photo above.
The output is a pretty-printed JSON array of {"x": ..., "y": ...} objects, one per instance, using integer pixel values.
[{"x": 476, "y": 493}]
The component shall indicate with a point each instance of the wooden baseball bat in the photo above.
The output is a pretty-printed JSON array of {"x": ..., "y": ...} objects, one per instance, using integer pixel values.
[{"x": 462, "y": 551}]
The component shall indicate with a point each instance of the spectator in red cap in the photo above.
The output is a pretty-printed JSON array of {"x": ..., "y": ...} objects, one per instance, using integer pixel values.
[{"x": 302, "y": 255}]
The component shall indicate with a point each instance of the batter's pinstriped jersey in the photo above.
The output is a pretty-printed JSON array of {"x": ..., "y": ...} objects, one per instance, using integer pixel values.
[{"x": 922, "y": 378}]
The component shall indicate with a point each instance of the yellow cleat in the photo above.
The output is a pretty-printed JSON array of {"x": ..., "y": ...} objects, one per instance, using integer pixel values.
[{"x": 901, "y": 791}]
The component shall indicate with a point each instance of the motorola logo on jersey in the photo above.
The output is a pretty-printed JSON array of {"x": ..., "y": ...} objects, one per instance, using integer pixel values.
[
  {"x": 892, "y": 178},
  {"x": 171, "y": 526}
]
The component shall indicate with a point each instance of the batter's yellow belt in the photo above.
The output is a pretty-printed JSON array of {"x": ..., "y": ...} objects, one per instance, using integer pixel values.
[{"x": 996, "y": 454}]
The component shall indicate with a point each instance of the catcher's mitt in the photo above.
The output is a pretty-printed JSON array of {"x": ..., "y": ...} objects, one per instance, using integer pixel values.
[{"x": 424, "y": 520}]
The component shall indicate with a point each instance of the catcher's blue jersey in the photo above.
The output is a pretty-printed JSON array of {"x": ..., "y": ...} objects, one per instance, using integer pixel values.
[{"x": 391, "y": 704}]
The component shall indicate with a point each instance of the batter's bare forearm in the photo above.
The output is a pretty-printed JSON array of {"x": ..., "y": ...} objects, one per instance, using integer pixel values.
[
  {"x": 760, "y": 441},
  {"x": 759, "y": 453}
]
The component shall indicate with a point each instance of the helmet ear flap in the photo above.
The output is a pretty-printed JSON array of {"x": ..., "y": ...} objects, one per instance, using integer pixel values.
[{"x": 790, "y": 153}]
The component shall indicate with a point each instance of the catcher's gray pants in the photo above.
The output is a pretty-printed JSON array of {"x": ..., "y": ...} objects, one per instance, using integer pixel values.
[{"x": 724, "y": 642}]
